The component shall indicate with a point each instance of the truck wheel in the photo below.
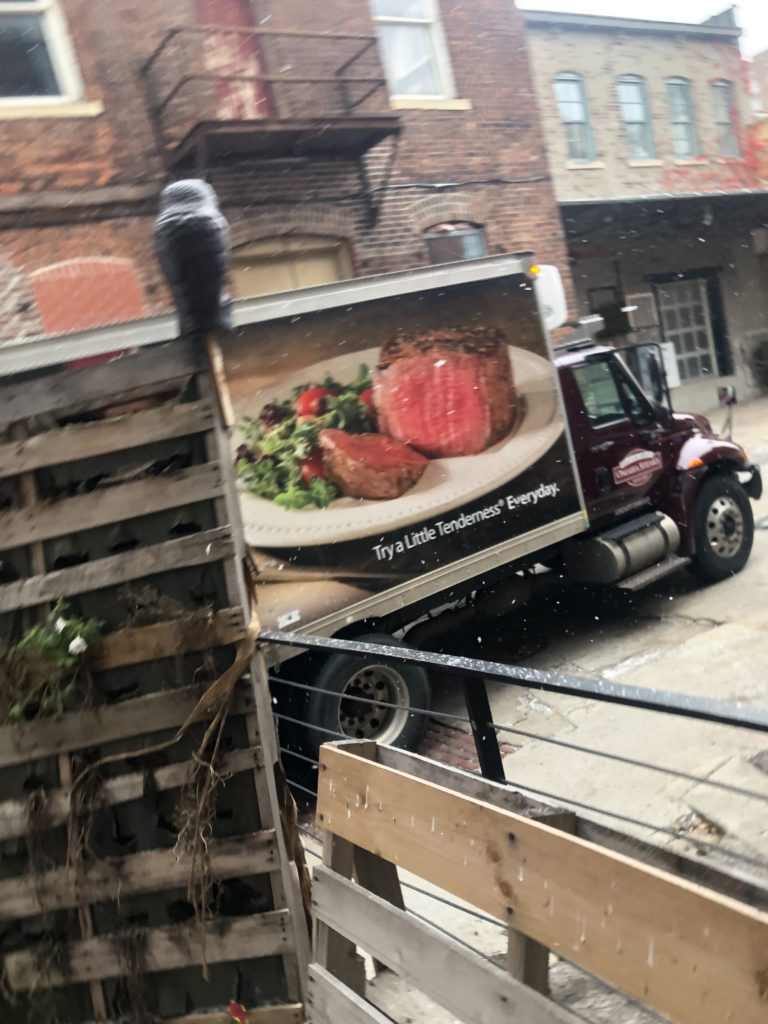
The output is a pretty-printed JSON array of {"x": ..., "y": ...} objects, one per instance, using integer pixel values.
[
  {"x": 357, "y": 676},
  {"x": 723, "y": 528}
]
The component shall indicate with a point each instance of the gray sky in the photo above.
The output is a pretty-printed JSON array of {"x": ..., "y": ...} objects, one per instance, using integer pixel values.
[{"x": 752, "y": 14}]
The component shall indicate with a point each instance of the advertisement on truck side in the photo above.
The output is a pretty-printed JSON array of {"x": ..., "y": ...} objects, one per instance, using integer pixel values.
[{"x": 379, "y": 442}]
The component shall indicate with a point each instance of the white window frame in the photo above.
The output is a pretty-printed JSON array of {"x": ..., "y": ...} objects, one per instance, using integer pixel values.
[
  {"x": 443, "y": 70},
  {"x": 575, "y": 78},
  {"x": 647, "y": 122},
  {"x": 60, "y": 51},
  {"x": 676, "y": 81},
  {"x": 723, "y": 87},
  {"x": 672, "y": 334}
]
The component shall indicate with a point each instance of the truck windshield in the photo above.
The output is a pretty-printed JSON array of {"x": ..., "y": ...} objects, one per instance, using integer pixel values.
[{"x": 610, "y": 395}]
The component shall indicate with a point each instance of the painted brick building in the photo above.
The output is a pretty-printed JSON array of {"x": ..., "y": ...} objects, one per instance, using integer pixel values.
[
  {"x": 351, "y": 137},
  {"x": 647, "y": 126}
]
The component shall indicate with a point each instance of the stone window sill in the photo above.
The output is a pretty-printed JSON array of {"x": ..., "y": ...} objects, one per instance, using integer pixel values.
[
  {"x": 425, "y": 103},
  {"x": 692, "y": 161},
  {"x": 645, "y": 163},
  {"x": 54, "y": 108},
  {"x": 592, "y": 165}
]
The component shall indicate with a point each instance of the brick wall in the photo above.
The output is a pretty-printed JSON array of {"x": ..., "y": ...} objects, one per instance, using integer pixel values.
[
  {"x": 485, "y": 163},
  {"x": 600, "y": 57}
]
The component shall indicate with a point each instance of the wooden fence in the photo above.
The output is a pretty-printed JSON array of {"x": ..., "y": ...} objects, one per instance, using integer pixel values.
[{"x": 689, "y": 952}]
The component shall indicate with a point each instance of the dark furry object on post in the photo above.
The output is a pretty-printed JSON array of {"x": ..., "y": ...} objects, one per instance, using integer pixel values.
[{"x": 192, "y": 244}]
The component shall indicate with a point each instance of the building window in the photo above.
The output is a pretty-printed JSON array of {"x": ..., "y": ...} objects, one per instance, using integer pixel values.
[
  {"x": 89, "y": 292},
  {"x": 449, "y": 243},
  {"x": 685, "y": 138},
  {"x": 413, "y": 48},
  {"x": 286, "y": 262},
  {"x": 687, "y": 323},
  {"x": 725, "y": 119},
  {"x": 636, "y": 115},
  {"x": 574, "y": 112},
  {"x": 36, "y": 57}
]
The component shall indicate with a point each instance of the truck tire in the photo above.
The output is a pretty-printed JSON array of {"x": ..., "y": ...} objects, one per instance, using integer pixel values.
[
  {"x": 352, "y": 675},
  {"x": 723, "y": 528}
]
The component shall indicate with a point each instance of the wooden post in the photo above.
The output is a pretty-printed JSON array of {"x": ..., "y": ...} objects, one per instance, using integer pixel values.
[{"x": 332, "y": 951}]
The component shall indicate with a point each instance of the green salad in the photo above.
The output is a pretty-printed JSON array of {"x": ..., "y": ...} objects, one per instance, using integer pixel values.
[{"x": 281, "y": 458}]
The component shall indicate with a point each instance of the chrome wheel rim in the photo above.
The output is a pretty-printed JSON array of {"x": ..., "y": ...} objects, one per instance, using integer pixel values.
[
  {"x": 725, "y": 527},
  {"x": 362, "y": 720}
]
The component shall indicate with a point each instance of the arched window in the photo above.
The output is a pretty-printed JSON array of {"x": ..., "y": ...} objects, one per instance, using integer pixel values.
[
  {"x": 636, "y": 115},
  {"x": 285, "y": 262},
  {"x": 685, "y": 138},
  {"x": 454, "y": 241},
  {"x": 574, "y": 113},
  {"x": 89, "y": 292},
  {"x": 724, "y": 112}
]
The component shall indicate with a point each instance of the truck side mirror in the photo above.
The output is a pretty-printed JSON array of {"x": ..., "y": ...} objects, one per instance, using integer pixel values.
[{"x": 550, "y": 293}]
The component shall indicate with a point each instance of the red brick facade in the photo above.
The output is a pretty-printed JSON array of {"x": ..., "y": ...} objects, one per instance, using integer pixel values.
[{"x": 84, "y": 187}]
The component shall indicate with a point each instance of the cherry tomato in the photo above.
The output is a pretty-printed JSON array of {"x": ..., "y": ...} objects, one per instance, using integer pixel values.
[
  {"x": 312, "y": 402},
  {"x": 312, "y": 467},
  {"x": 367, "y": 399}
]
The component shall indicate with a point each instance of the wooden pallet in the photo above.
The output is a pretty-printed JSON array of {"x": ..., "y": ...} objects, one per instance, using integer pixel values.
[
  {"x": 124, "y": 469},
  {"x": 685, "y": 951}
]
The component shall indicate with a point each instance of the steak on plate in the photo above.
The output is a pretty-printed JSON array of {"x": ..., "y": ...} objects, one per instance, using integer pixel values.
[
  {"x": 370, "y": 465},
  {"x": 446, "y": 392}
]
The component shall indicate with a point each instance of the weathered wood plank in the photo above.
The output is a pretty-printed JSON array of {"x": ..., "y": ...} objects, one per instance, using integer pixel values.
[
  {"x": 671, "y": 861},
  {"x": 331, "y": 1002},
  {"x": 64, "y": 390},
  {"x": 119, "y": 790},
  {"x": 110, "y": 505},
  {"x": 199, "y": 549},
  {"x": 292, "y": 1013},
  {"x": 166, "y": 639},
  {"x": 165, "y": 949},
  {"x": 102, "y": 437},
  {"x": 118, "y": 877},
  {"x": 78, "y": 730},
  {"x": 333, "y": 951},
  {"x": 463, "y": 983},
  {"x": 691, "y": 954}
]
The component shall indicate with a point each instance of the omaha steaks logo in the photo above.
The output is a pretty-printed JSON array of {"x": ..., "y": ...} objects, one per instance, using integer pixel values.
[{"x": 637, "y": 468}]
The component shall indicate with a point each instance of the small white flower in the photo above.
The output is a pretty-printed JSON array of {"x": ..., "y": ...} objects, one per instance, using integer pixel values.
[
  {"x": 61, "y": 625},
  {"x": 78, "y": 646}
]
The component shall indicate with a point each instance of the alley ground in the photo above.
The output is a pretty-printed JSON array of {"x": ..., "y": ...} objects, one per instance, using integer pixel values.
[{"x": 709, "y": 641}]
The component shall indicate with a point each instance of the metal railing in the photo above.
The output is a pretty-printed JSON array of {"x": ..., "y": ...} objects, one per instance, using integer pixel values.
[
  {"x": 473, "y": 675},
  {"x": 341, "y": 73}
]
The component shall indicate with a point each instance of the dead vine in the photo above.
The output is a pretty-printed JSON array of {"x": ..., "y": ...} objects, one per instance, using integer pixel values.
[{"x": 131, "y": 945}]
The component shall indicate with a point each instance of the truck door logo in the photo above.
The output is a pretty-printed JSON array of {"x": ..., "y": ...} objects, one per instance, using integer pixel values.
[{"x": 637, "y": 468}]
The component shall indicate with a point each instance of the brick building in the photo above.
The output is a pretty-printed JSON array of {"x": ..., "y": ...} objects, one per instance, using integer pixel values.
[
  {"x": 647, "y": 125},
  {"x": 351, "y": 137}
]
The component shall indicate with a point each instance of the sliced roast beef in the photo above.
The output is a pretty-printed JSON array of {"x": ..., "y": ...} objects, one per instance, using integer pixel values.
[
  {"x": 370, "y": 465},
  {"x": 446, "y": 392}
]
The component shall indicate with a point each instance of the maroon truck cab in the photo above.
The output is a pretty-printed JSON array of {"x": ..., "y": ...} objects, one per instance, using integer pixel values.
[{"x": 662, "y": 490}]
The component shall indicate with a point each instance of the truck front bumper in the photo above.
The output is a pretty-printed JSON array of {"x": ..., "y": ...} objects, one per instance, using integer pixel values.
[{"x": 752, "y": 481}]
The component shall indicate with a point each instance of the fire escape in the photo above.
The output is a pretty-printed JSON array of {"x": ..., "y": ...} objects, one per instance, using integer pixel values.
[{"x": 221, "y": 94}]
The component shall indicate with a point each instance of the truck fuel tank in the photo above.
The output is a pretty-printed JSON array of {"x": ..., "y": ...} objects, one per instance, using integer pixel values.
[{"x": 622, "y": 551}]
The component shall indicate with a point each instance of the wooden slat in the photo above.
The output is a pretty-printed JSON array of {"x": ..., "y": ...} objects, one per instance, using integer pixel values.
[
  {"x": 101, "y": 437},
  {"x": 462, "y": 982},
  {"x": 166, "y": 639},
  {"x": 115, "y": 878},
  {"x": 119, "y": 790},
  {"x": 199, "y": 549},
  {"x": 288, "y": 1014},
  {"x": 331, "y": 1002},
  {"x": 110, "y": 505},
  {"x": 165, "y": 949},
  {"x": 691, "y": 954},
  {"x": 73, "y": 391},
  {"x": 79, "y": 730},
  {"x": 671, "y": 861}
]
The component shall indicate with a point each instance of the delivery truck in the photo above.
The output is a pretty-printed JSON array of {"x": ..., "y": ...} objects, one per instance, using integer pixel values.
[{"x": 412, "y": 440}]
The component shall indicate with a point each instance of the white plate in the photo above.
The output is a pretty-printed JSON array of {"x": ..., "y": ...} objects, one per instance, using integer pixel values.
[{"x": 447, "y": 484}]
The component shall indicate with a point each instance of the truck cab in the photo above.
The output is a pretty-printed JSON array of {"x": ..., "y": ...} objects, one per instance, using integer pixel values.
[{"x": 662, "y": 490}]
